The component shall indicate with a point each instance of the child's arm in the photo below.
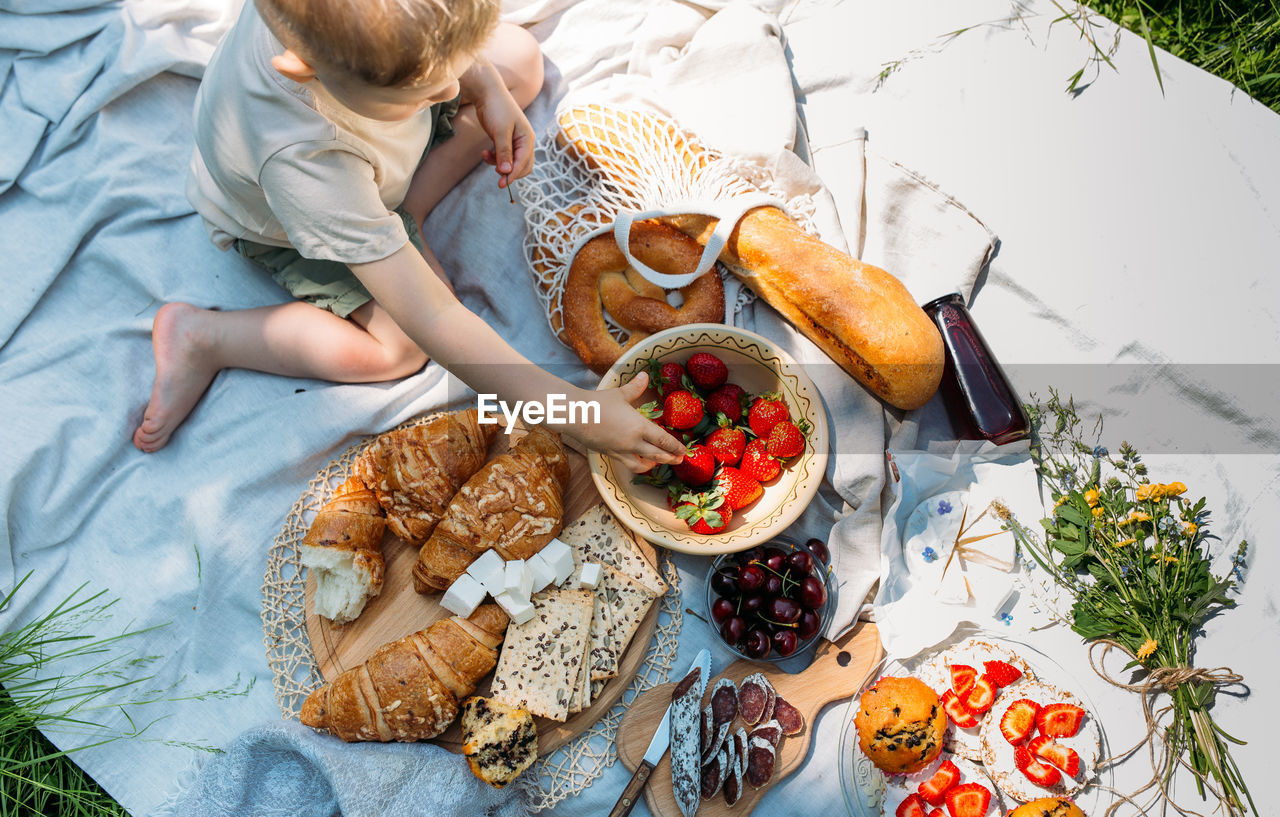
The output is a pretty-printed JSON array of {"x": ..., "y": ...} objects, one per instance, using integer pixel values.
[
  {"x": 501, "y": 118},
  {"x": 459, "y": 340}
]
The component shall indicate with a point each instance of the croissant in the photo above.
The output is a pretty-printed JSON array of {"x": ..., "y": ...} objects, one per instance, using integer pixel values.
[
  {"x": 514, "y": 504},
  {"x": 343, "y": 551},
  {"x": 415, "y": 471},
  {"x": 409, "y": 689}
]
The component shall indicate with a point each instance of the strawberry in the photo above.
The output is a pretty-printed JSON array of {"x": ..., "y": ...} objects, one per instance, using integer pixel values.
[
  {"x": 697, "y": 467},
  {"x": 934, "y": 789},
  {"x": 726, "y": 400},
  {"x": 666, "y": 377},
  {"x": 1035, "y": 771},
  {"x": 969, "y": 800},
  {"x": 1064, "y": 757},
  {"x": 937, "y": 813},
  {"x": 1019, "y": 720},
  {"x": 963, "y": 677},
  {"x": 1059, "y": 720},
  {"x": 727, "y": 444},
  {"x": 785, "y": 440},
  {"x": 681, "y": 409},
  {"x": 757, "y": 464},
  {"x": 982, "y": 696},
  {"x": 766, "y": 412},
  {"x": 706, "y": 370},
  {"x": 1001, "y": 673},
  {"x": 957, "y": 711},
  {"x": 740, "y": 490},
  {"x": 913, "y": 806},
  {"x": 706, "y": 512}
]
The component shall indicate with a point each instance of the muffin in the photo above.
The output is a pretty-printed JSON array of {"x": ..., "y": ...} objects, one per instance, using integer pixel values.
[
  {"x": 900, "y": 725},
  {"x": 1047, "y": 807}
]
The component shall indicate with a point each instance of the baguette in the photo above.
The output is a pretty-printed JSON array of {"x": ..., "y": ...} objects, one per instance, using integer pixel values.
[{"x": 862, "y": 317}]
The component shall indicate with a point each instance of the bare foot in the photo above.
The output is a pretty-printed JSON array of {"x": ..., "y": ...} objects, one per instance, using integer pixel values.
[{"x": 183, "y": 372}]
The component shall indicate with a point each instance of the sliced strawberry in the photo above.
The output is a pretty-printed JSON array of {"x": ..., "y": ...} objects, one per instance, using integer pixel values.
[
  {"x": 1019, "y": 720},
  {"x": 937, "y": 813},
  {"x": 957, "y": 711},
  {"x": 982, "y": 696},
  {"x": 913, "y": 806},
  {"x": 1064, "y": 757},
  {"x": 1039, "y": 773},
  {"x": 963, "y": 677},
  {"x": 1059, "y": 720},
  {"x": 934, "y": 789},
  {"x": 1001, "y": 673},
  {"x": 969, "y": 800}
]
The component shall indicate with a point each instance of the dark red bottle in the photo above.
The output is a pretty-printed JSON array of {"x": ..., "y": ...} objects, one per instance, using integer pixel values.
[{"x": 978, "y": 395}]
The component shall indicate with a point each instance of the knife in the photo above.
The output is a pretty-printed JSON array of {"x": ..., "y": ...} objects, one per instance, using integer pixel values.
[{"x": 658, "y": 745}]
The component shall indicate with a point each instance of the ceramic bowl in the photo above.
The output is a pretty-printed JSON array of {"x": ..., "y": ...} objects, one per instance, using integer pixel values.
[{"x": 758, "y": 366}]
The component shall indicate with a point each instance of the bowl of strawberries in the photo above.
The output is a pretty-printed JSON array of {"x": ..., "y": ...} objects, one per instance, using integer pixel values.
[{"x": 755, "y": 432}]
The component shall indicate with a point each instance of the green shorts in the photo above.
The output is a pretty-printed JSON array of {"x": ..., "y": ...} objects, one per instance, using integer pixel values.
[{"x": 332, "y": 285}]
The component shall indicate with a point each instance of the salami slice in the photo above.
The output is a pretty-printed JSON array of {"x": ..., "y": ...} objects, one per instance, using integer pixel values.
[
  {"x": 732, "y": 788},
  {"x": 717, "y": 741},
  {"x": 760, "y": 757},
  {"x": 740, "y": 744},
  {"x": 770, "y": 703},
  {"x": 769, "y": 730},
  {"x": 713, "y": 775},
  {"x": 724, "y": 701},
  {"x": 706, "y": 733},
  {"x": 753, "y": 696},
  {"x": 788, "y": 717}
]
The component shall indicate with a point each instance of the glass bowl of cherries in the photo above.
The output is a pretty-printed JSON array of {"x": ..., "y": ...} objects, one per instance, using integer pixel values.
[{"x": 773, "y": 601}]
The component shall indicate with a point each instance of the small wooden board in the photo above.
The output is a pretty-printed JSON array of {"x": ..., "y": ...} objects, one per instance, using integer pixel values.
[
  {"x": 399, "y": 610},
  {"x": 837, "y": 671}
]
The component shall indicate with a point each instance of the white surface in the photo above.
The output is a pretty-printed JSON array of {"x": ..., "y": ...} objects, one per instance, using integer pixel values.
[{"x": 1138, "y": 231}]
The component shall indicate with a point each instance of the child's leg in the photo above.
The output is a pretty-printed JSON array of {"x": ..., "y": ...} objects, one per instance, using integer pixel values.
[
  {"x": 516, "y": 55},
  {"x": 294, "y": 339}
]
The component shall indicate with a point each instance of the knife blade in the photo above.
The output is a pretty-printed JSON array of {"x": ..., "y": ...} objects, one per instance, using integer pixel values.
[{"x": 660, "y": 742}]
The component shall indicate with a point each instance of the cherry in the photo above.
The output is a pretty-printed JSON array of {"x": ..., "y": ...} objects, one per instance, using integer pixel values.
[
  {"x": 785, "y": 642},
  {"x": 813, "y": 593},
  {"x": 777, "y": 562},
  {"x": 721, "y": 609},
  {"x": 801, "y": 562},
  {"x": 757, "y": 644},
  {"x": 751, "y": 604},
  {"x": 819, "y": 549},
  {"x": 783, "y": 610},
  {"x": 751, "y": 579},
  {"x": 808, "y": 625},
  {"x": 772, "y": 585},
  {"x": 732, "y": 629},
  {"x": 755, "y": 554},
  {"x": 724, "y": 584}
]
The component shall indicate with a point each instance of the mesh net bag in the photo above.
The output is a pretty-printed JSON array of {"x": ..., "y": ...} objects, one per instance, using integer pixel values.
[{"x": 602, "y": 167}]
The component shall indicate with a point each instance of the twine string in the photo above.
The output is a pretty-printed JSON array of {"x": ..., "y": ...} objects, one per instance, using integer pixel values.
[{"x": 1158, "y": 680}]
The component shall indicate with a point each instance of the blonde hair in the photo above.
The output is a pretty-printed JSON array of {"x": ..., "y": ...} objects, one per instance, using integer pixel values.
[{"x": 384, "y": 43}]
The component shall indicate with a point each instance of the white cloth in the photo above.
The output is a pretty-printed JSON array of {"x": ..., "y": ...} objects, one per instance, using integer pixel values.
[
  {"x": 1103, "y": 258},
  {"x": 282, "y": 163}
]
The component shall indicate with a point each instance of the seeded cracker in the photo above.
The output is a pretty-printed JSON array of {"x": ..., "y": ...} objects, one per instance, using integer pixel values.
[
  {"x": 596, "y": 536},
  {"x": 542, "y": 658},
  {"x": 620, "y": 606}
]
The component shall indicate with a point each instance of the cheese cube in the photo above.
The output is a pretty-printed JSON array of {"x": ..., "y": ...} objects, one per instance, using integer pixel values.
[
  {"x": 542, "y": 573},
  {"x": 590, "y": 576},
  {"x": 463, "y": 596},
  {"x": 489, "y": 570},
  {"x": 520, "y": 610},
  {"x": 519, "y": 581},
  {"x": 560, "y": 557}
]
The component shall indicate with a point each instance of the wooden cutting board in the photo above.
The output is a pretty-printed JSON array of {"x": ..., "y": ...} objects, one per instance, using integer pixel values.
[
  {"x": 837, "y": 671},
  {"x": 399, "y": 610}
]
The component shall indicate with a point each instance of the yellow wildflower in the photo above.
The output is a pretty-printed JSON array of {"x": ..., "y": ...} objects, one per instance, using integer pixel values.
[
  {"x": 1167, "y": 559},
  {"x": 1189, "y": 529},
  {"x": 1062, "y": 500},
  {"x": 1091, "y": 497},
  {"x": 1098, "y": 512},
  {"x": 1147, "y": 649},
  {"x": 1124, "y": 542},
  {"x": 1145, "y": 492},
  {"x": 1133, "y": 517},
  {"x": 1172, "y": 489}
]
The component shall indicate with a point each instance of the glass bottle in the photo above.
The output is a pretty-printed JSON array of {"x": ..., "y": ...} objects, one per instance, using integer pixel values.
[{"x": 979, "y": 398}]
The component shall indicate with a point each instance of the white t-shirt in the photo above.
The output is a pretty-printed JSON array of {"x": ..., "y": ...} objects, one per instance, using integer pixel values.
[{"x": 284, "y": 164}]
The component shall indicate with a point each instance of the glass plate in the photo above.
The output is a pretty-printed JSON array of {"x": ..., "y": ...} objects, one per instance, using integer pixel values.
[{"x": 863, "y": 783}]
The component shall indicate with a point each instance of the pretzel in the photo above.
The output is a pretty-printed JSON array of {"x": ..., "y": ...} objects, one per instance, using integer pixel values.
[{"x": 600, "y": 279}]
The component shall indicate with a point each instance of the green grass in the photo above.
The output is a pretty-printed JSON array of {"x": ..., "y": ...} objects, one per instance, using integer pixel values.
[{"x": 1237, "y": 40}]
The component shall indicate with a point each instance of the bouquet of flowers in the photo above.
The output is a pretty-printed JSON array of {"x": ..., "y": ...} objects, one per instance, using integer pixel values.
[{"x": 1133, "y": 554}]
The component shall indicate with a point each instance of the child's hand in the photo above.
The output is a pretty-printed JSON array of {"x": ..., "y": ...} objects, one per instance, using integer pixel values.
[
  {"x": 512, "y": 135},
  {"x": 622, "y": 431}
]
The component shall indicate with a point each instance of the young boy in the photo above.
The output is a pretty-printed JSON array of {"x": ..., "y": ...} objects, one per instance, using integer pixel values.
[{"x": 311, "y": 124}]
